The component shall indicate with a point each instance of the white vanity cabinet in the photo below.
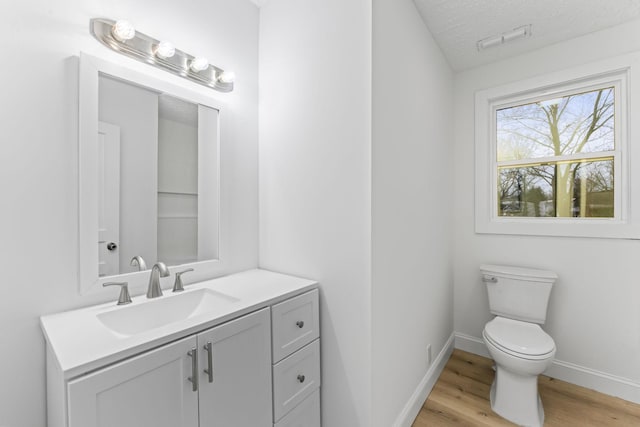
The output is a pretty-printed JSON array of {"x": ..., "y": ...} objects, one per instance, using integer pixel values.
[
  {"x": 251, "y": 359},
  {"x": 157, "y": 388}
]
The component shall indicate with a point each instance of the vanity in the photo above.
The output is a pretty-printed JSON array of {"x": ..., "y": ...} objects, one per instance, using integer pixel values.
[{"x": 241, "y": 350}]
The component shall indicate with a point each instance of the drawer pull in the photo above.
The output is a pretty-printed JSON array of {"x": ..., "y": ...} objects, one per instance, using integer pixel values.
[
  {"x": 193, "y": 353},
  {"x": 209, "y": 370},
  {"x": 300, "y": 324},
  {"x": 301, "y": 378}
]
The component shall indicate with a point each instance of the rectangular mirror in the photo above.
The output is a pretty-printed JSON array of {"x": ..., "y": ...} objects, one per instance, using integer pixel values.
[{"x": 149, "y": 173}]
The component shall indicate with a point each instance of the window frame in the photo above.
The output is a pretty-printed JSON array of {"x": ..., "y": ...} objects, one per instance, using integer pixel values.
[{"x": 610, "y": 73}]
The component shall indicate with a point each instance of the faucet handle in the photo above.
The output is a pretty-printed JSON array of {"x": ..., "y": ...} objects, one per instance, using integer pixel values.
[
  {"x": 124, "y": 297},
  {"x": 177, "y": 286},
  {"x": 138, "y": 261}
]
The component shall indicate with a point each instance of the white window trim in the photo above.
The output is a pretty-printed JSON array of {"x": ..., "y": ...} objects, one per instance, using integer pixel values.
[{"x": 622, "y": 72}]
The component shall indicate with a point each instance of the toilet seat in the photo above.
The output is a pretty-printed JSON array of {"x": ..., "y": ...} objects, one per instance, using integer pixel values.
[{"x": 520, "y": 339}]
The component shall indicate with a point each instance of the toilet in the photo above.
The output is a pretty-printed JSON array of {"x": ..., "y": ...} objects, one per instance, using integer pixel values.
[{"x": 516, "y": 342}]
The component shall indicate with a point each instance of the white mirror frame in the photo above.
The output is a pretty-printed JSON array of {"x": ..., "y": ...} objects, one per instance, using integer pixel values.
[{"x": 90, "y": 69}]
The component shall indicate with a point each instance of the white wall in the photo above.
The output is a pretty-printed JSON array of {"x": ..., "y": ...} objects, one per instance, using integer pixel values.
[
  {"x": 411, "y": 202},
  {"x": 38, "y": 160},
  {"x": 593, "y": 314},
  {"x": 315, "y": 149}
]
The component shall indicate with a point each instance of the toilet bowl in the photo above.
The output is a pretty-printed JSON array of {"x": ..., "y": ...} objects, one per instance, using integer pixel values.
[
  {"x": 516, "y": 342},
  {"x": 522, "y": 351}
]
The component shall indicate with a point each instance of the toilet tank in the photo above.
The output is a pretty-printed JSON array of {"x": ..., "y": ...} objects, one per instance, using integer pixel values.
[{"x": 518, "y": 293}]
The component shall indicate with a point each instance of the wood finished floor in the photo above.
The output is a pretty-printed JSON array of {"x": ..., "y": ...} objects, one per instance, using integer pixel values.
[{"x": 461, "y": 398}]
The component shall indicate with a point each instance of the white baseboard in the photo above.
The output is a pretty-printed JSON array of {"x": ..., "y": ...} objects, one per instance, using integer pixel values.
[
  {"x": 471, "y": 344},
  {"x": 412, "y": 408},
  {"x": 623, "y": 388},
  {"x": 575, "y": 374}
]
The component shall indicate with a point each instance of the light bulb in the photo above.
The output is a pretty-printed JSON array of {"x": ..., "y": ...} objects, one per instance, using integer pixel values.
[
  {"x": 227, "y": 77},
  {"x": 165, "y": 50},
  {"x": 123, "y": 31},
  {"x": 199, "y": 63}
]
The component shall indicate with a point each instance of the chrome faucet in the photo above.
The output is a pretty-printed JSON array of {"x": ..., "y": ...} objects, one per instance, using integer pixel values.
[
  {"x": 159, "y": 270},
  {"x": 138, "y": 261}
]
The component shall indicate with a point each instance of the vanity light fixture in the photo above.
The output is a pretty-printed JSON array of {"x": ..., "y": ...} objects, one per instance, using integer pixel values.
[
  {"x": 506, "y": 37},
  {"x": 122, "y": 37}
]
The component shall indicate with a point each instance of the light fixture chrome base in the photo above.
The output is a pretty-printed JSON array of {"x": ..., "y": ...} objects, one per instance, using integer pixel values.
[{"x": 143, "y": 47}]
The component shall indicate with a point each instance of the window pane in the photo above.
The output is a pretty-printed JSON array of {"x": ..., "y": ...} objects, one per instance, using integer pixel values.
[
  {"x": 560, "y": 189},
  {"x": 593, "y": 189},
  {"x": 526, "y": 191},
  {"x": 579, "y": 123}
]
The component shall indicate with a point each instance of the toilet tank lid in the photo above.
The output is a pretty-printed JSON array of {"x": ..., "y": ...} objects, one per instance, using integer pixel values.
[{"x": 517, "y": 271}]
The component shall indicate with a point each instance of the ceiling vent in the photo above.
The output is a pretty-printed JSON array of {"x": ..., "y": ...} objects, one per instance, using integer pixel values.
[{"x": 506, "y": 37}]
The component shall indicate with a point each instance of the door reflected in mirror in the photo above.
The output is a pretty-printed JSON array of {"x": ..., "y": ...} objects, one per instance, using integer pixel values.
[{"x": 157, "y": 178}]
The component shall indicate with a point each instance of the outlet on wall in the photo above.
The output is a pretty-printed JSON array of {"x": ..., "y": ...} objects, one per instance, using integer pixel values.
[{"x": 429, "y": 355}]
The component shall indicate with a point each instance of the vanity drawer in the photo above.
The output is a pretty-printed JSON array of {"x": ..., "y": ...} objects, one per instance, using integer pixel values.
[
  {"x": 295, "y": 323},
  {"x": 295, "y": 378},
  {"x": 306, "y": 414}
]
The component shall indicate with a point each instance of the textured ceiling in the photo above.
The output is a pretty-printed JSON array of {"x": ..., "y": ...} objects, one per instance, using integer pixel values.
[{"x": 458, "y": 24}]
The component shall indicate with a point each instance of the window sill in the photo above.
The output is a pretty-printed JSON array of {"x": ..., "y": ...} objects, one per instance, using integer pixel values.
[{"x": 559, "y": 227}]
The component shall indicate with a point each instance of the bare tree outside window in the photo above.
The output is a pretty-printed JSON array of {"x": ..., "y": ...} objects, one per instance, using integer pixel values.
[{"x": 556, "y": 157}]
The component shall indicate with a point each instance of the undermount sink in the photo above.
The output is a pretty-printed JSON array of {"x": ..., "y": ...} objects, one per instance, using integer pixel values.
[{"x": 147, "y": 315}]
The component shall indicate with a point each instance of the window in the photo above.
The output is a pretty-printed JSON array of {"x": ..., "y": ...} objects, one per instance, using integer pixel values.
[
  {"x": 556, "y": 156},
  {"x": 552, "y": 155}
]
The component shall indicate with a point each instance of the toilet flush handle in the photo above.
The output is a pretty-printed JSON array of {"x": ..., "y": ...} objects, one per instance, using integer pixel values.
[{"x": 489, "y": 279}]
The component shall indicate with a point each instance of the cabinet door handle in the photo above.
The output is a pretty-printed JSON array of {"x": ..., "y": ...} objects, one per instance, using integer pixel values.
[
  {"x": 301, "y": 378},
  {"x": 209, "y": 370},
  {"x": 193, "y": 353},
  {"x": 300, "y": 324}
]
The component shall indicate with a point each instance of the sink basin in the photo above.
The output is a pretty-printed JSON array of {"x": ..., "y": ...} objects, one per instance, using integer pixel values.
[{"x": 147, "y": 315}]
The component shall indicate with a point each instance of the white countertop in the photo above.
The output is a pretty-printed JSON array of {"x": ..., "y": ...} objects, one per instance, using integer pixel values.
[{"x": 82, "y": 343}]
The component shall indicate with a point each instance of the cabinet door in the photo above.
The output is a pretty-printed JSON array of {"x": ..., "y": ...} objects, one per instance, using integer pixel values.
[
  {"x": 238, "y": 392},
  {"x": 151, "y": 389}
]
